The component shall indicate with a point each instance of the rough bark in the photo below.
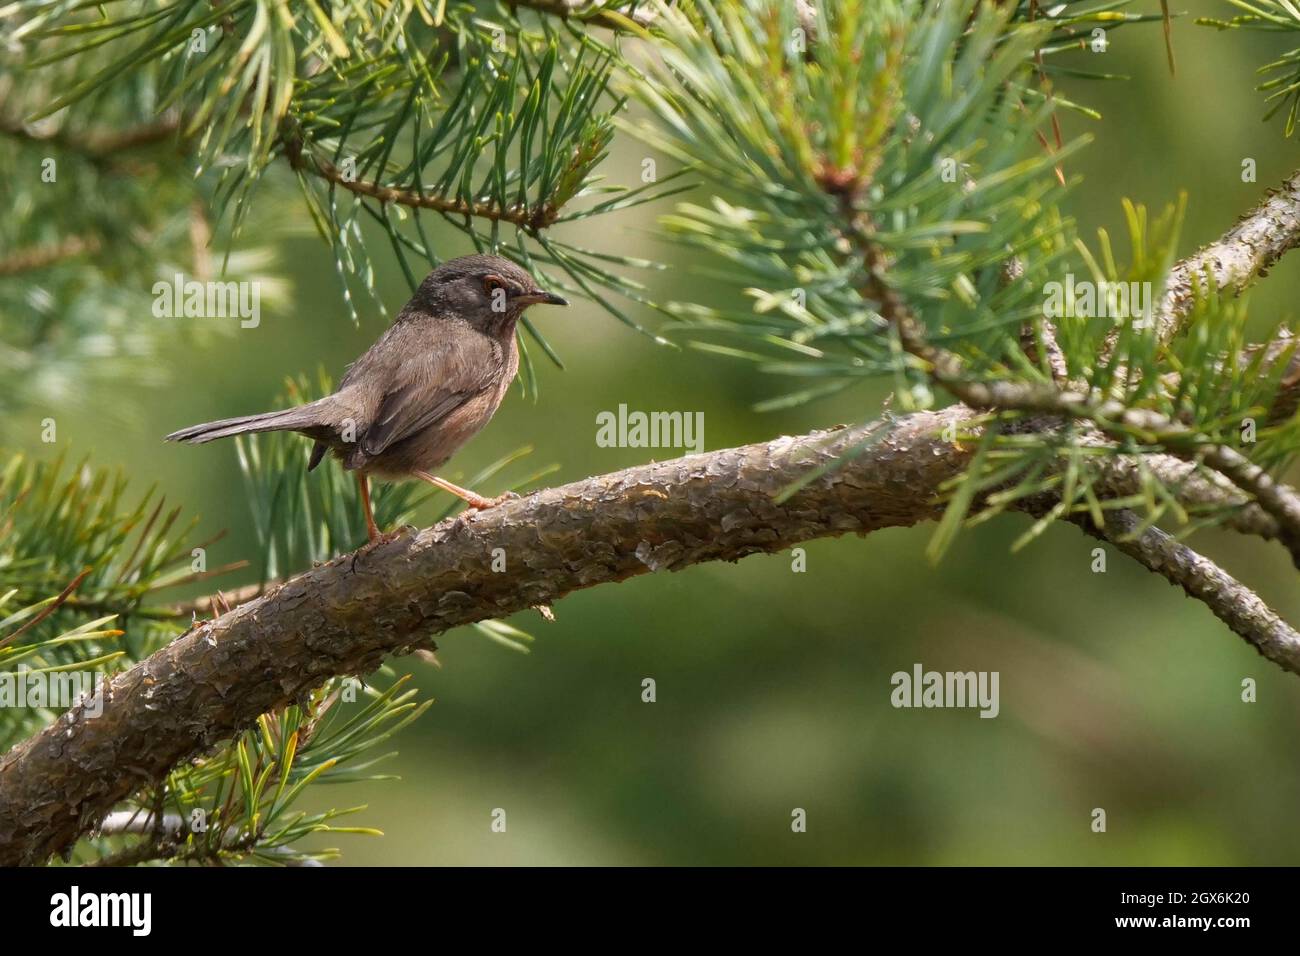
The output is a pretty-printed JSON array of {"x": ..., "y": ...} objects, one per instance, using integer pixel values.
[
  {"x": 346, "y": 616},
  {"x": 1231, "y": 601},
  {"x": 1247, "y": 250}
]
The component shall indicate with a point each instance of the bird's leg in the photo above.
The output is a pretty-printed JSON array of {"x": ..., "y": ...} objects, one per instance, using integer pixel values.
[
  {"x": 372, "y": 529},
  {"x": 478, "y": 502}
]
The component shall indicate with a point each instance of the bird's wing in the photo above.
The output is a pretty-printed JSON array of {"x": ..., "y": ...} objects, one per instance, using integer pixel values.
[
  {"x": 427, "y": 387},
  {"x": 400, "y": 416}
]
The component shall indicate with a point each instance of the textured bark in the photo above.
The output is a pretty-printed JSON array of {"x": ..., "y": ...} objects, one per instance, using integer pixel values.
[
  {"x": 1244, "y": 252},
  {"x": 1194, "y": 488},
  {"x": 346, "y": 616},
  {"x": 1230, "y": 600}
]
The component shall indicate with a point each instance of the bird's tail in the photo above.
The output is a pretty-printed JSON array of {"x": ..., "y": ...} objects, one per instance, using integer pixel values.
[{"x": 291, "y": 419}]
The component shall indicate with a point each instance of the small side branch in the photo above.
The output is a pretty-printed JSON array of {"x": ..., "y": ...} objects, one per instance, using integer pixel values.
[
  {"x": 1241, "y": 254},
  {"x": 98, "y": 146},
  {"x": 40, "y": 257},
  {"x": 1231, "y": 601},
  {"x": 531, "y": 219}
]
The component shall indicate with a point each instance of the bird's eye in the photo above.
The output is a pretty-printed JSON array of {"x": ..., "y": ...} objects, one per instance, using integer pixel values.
[{"x": 492, "y": 283}]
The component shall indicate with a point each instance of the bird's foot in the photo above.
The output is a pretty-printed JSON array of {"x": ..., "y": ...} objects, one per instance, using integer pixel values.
[
  {"x": 482, "y": 504},
  {"x": 476, "y": 505},
  {"x": 389, "y": 536},
  {"x": 377, "y": 538}
]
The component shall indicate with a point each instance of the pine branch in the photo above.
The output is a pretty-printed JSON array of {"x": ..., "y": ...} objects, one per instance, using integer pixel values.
[
  {"x": 39, "y": 257},
  {"x": 1243, "y": 253},
  {"x": 347, "y": 615},
  {"x": 1119, "y": 477},
  {"x": 617, "y": 15},
  {"x": 532, "y": 220},
  {"x": 1248, "y": 249},
  {"x": 1118, "y": 421},
  {"x": 95, "y": 145},
  {"x": 166, "y": 837},
  {"x": 1275, "y": 497},
  {"x": 1230, "y": 600},
  {"x": 1195, "y": 488},
  {"x": 1111, "y": 417}
]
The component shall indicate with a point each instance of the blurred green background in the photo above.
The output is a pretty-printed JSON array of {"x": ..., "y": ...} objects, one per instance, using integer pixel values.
[{"x": 773, "y": 687}]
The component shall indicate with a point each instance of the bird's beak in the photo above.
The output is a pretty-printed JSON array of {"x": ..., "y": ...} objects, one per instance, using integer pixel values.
[{"x": 539, "y": 297}]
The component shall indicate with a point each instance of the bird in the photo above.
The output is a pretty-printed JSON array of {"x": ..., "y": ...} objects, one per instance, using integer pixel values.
[{"x": 429, "y": 384}]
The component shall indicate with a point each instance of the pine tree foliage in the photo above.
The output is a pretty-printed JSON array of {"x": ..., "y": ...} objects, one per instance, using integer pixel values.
[
  {"x": 912, "y": 143},
  {"x": 238, "y": 804},
  {"x": 894, "y": 201},
  {"x": 84, "y": 576},
  {"x": 86, "y": 571},
  {"x": 1281, "y": 77},
  {"x": 98, "y": 183},
  {"x": 888, "y": 177}
]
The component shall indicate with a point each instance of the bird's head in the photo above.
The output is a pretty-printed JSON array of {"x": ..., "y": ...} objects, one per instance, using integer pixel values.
[{"x": 488, "y": 291}]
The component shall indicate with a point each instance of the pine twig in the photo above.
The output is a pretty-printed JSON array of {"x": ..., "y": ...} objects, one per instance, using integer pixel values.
[
  {"x": 40, "y": 257},
  {"x": 1231, "y": 601},
  {"x": 532, "y": 220}
]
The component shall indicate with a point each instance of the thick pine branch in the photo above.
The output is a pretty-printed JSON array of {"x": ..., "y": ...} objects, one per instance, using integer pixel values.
[{"x": 346, "y": 616}]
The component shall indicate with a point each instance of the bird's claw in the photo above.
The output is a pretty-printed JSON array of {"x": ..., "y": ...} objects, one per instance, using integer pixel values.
[
  {"x": 386, "y": 538},
  {"x": 482, "y": 504},
  {"x": 474, "y": 506}
]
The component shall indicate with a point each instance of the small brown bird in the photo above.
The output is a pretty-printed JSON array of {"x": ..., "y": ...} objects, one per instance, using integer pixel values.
[{"x": 427, "y": 386}]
